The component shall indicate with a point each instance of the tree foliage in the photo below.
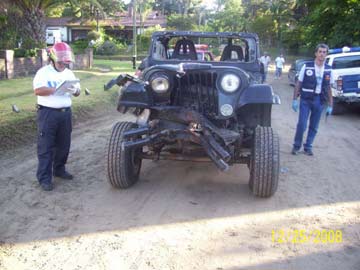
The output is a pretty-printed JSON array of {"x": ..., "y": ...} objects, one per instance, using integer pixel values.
[
  {"x": 290, "y": 24},
  {"x": 230, "y": 18},
  {"x": 32, "y": 19},
  {"x": 334, "y": 22},
  {"x": 10, "y": 27},
  {"x": 181, "y": 22}
]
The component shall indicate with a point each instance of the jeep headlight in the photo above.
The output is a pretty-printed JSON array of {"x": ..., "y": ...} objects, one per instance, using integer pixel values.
[
  {"x": 160, "y": 84},
  {"x": 230, "y": 82}
]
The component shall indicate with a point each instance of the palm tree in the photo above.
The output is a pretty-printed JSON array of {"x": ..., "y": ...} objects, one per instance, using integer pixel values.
[{"x": 33, "y": 17}]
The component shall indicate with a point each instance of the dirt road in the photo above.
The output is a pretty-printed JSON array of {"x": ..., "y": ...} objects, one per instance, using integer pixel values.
[{"x": 184, "y": 215}]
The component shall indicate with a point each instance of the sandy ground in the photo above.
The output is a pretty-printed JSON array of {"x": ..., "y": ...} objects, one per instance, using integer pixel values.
[{"x": 185, "y": 215}]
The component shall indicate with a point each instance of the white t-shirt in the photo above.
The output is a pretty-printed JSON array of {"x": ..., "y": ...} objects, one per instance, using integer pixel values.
[
  {"x": 48, "y": 76},
  {"x": 266, "y": 61},
  {"x": 279, "y": 61},
  {"x": 319, "y": 74}
]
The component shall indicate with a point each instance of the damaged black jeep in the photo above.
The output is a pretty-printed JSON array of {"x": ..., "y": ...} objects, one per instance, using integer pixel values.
[{"x": 197, "y": 110}]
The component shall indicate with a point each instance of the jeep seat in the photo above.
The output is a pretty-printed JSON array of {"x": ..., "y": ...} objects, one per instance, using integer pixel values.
[
  {"x": 230, "y": 51},
  {"x": 184, "y": 50}
]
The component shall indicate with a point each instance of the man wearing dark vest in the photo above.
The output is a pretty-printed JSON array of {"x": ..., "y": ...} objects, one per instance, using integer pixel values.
[{"x": 313, "y": 87}]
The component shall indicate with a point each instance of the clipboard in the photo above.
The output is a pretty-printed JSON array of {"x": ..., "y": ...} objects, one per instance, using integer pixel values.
[{"x": 63, "y": 88}]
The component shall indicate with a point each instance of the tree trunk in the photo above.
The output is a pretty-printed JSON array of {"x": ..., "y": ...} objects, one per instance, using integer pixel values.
[{"x": 34, "y": 27}]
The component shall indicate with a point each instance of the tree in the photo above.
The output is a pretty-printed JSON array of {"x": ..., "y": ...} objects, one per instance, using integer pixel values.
[
  {"x": 263, "y": 25},
  {"x": 144, "y": 8},
  {"x": 334, "y": 22},
  {"x": 230, "y": 18},
  {"x": 10, "y": 28},
  {"x": 111, "y": 7},
  {"x": 32, "y": 17},
  {"x": 281, "y": 12},
  {"x": 170, "y": 7},
  {"x": 181, "y": 22}
]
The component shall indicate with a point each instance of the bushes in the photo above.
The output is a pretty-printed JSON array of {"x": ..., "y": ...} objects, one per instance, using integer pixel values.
[
  {"x": 110, "y": 47},
  {"x": 24, "y": 52},
  {"x": 143, "y": 40},
  {"x": 79, "y": 45},
  {"x": 107, "y": 48},
  {"x": 93, "y": 35}
]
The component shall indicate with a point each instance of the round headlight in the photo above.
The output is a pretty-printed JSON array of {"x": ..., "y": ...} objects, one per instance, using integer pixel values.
[
  {"x": 160, "y": 84},
  {"x": 230, "y": 82},
  {"x": 226, "y": 110}
]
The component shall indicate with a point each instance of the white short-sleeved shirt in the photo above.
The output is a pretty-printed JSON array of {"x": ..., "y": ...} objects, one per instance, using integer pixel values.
[
  {"x": 48, "y": 76},
  {"x": 266, "y": 61},
  {"x": 279, "y": 61},
  {"x": 319, "y": 73}
]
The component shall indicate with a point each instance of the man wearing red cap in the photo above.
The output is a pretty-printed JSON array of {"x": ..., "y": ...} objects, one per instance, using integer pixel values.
[{"x": 54, "y": 115}]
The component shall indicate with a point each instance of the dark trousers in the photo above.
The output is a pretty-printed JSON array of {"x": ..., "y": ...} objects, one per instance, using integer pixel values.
[
  {"x": 54, "y": 139},
  {"x": 263, "y": 77},
  {"x": 308, "y": 108}
]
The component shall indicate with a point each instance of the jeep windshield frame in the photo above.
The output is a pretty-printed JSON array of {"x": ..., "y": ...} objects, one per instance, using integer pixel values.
[{"x": 164, "y": 41}]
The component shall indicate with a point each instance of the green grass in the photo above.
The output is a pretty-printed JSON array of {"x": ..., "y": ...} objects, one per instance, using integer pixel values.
[
  {"x": 113, "y": 65},
  {"x": 16, "y": 128}
]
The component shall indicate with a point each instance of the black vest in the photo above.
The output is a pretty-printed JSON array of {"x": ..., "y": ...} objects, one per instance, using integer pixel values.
[{"x": 308, "y": 85}]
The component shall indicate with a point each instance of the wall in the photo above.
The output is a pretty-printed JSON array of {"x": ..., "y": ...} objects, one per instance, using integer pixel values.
[
  {"x": 26, "y": 66},
  {"x": 11, "y": 67},
  {"x": 84, "y": 61},
  {"x": 2, "y": 69}
]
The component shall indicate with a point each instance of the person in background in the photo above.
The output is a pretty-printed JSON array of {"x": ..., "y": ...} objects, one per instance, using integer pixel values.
[
  {"x": 265, "y": 60},
  {"x": 279, "y": 64},
  {"x": 314, "y": 90},
  {"x": 54, "y": 115}
]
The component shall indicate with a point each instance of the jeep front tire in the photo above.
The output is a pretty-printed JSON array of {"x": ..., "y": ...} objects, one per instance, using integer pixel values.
[
  {"x": 264, "y": 162},
  {"x": 123, "y": 166}
]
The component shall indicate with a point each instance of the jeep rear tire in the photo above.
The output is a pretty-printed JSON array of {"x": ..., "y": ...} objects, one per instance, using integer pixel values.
[
  {"x": 123, "y": 166},
  {"x": 264, "y": 162}
]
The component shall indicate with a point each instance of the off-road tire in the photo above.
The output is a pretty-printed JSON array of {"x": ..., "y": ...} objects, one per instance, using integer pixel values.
[
  {"x": 264, "y": 162},
  {"x": 123, "y": 166}
]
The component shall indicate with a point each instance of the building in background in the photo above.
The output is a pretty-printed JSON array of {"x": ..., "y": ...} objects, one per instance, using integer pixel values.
[{"x": 120, "y": 26}]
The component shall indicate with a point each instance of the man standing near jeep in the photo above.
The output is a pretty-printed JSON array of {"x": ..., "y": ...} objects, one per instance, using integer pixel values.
[
  {"x": 265, "y": 60},
  {"x": 54, "y": 115},
  {"x": 314, "y": 90}
]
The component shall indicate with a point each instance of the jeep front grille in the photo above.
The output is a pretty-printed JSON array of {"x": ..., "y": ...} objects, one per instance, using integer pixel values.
[{"x": 196, "y": 90}]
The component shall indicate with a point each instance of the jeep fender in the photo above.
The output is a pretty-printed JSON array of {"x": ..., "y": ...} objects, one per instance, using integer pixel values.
[
  {"x": 258, "y": 93},
  {"x": 135, "y": 95}
]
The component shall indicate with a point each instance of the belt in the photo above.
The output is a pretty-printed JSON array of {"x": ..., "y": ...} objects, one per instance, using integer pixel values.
[{"x": 41, "y": 107}]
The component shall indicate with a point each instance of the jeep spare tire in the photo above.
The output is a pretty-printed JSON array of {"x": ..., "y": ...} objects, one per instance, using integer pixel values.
[
  {"x": 264, "y": 162},
  {"x": 123, "y": 165}
]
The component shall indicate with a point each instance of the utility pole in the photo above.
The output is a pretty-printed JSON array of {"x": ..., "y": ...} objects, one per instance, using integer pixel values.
[
  {"x": 97, "y": 19},
  {"x": 134, "y": 35}
]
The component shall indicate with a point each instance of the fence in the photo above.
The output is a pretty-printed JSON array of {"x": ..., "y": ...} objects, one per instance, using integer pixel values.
[{"x": 11, "y": 67}]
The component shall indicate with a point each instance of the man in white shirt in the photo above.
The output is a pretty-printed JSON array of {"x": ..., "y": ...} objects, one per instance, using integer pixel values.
[
  {"x": 279, "y": 63},
  {"x": 265, "y": 60},
  {"x": 314, "y": 90},
  {"x": 54, "y": 115}
]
